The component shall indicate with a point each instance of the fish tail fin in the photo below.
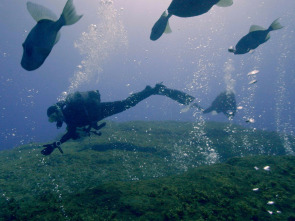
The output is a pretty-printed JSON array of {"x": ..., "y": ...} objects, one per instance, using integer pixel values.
[
  {"x": 167, "y": 29},
  {"x": 69, "y": 14},
  {"x": 166, "y": 17},
  {"x": 275, "y": 25}
]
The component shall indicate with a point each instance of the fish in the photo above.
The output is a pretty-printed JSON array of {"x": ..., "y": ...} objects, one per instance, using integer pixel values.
[
  {"x": 253, "y": 72},
  {"x": 45, "y": 34},
  {"x": 257, "y": 35},
  {"x": 184, "y": 8},
  {"x": 250, "y": 120},
  {"x": 225, "y": 102},
  {"x": 253, "y": 82}
]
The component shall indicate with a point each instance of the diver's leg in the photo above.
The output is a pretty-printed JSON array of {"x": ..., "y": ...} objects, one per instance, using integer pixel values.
[{"x": 111, "y": 108}]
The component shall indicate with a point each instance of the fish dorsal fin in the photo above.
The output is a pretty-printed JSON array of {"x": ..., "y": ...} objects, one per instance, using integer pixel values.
[
  {"x": 57, "y": 37},
  {"x": 224, "y": 3},
  {"x": 256, "y": 28},
  {"x": 39, "y": 12}
]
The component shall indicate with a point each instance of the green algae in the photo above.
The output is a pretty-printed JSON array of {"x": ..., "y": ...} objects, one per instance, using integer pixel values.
[{"x": 151, "y": 171}]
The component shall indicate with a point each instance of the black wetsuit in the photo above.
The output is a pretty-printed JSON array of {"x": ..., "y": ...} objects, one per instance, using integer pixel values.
[{"x": 81, "y": 111}]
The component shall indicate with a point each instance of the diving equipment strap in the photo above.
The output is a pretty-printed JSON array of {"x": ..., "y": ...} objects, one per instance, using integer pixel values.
[{"x": 57, "y": 144}]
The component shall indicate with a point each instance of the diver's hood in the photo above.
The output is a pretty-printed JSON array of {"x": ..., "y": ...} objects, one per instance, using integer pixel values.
[{"x": 52, "y": 109}]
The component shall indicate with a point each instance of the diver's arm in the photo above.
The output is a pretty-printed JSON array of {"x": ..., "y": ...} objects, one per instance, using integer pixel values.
[
  {"x": 49, "y": 148},
  {"x": 71, "y": 133},
  {"x": 94, "y": 126}
]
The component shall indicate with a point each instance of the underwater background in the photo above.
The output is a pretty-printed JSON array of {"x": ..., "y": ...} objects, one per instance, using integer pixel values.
[
  {"x": 153, "y": 161},
  {"x": 109, "y": 49}
]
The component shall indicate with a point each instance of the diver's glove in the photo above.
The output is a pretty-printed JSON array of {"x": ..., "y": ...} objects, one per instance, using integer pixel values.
[{"x": 49, "y": 148}]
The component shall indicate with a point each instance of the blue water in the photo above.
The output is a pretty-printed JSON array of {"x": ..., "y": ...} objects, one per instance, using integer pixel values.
[{"x": 109, "y": 49}]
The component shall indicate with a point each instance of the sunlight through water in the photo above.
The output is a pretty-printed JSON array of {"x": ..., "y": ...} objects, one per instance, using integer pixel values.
[{"x": 97, "y": 45}]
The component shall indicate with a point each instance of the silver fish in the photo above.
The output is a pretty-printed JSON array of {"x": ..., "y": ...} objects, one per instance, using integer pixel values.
[
  {"x": 253, "y": 82},
  {"x": 253, "y": 72},
  {"x": 45, "y": 34}
]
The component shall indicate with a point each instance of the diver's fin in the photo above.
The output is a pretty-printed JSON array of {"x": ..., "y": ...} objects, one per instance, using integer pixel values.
[
  {"x": 224, "y": 3},
  {"x": 275, "y": 25},
  {"x": 190, "y": 106},
  {"x": 256, "y": 28},
  {"x": 57, "y": 37},
  {"x": 69, "y": 13},
  {"x": 39, "y": 12},
  {"x": 185, "y": 109},
  {"x": 167, "y": 29}
]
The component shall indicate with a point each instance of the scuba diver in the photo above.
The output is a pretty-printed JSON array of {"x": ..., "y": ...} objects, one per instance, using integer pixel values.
[
  {"x": 85, "y": 109},
  {"x": 225, "y": 102}
]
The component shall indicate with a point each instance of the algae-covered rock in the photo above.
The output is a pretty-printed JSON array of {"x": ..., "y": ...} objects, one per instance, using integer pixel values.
[{"x": 153, "y": 171}]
